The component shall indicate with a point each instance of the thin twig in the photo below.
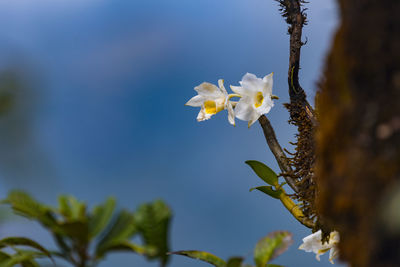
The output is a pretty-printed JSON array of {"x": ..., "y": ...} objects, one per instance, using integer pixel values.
[{"x": 276, "y": 149}]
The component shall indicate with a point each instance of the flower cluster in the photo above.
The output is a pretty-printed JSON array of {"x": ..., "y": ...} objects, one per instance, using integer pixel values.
[
  {"x": 255, "y": 96},
  {"x": 313, "y": 243}
]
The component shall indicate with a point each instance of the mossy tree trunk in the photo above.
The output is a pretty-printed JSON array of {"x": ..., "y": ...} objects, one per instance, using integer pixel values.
[{"x": 358, "y": 140}]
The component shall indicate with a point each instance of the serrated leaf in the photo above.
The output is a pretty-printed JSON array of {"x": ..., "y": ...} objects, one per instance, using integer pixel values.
[
  {"x": 203, "y": 256},
  {"x": 271, "y": 246},
  {"x": 268, "y": 190},
  {"x": 264, "y": 172},
  {"x": 234, "y": 262},
  {"x": 152, "y": 222},
  {"x": 24, "y": 205},
  {"x": 100, "y": 217},
  {"x": 23, "y": 241},
  {"x": 120, "y": 230}
]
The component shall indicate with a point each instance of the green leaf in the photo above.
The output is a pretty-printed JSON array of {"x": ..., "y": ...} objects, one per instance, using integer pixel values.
[
  {"x": 29, "y": 263},
  {"x": 264, "y": 172},
  {"x": 121, "y": 230},
  {"x": 18, "y": 258},
  {"x": 203, "y": 256},
  {"x": 23, "y": 241},
  {"x": 61, "y": 243},
  {"x": 234, "y": 262},
  {"x": 24, "y": 205},
  {"x": 271, "y": 246},
  {"x": 71, "y": 208},
  {"x": 268, "y": 190},
  {"x": 152, "y": 222},
  {"x": 100, "y": 217},
  {"x": 132, "y": 247},
  {"x": 75, "y": 230},
  {"x": 63, "y": 206},
  {"x": 4, "y": 256}
]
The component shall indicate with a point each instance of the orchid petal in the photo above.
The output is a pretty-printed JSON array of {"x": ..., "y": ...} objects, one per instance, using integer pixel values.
[
  {"x": 207, "y": 89},
  {"x": 251, "y": 83},
  {"x": 268, "y": 83},
  {"x": 253, "y": 119},
  {"x": 239, "y": 90},
  {"x": 222, "y": 87},
  {"x": 196, "y": 101},
  {"x": 313, "y": 243},
  {"x": 202, "y": 116},
  {"x": 231, "y": 113},
  {"x": 333, "y": 254},
  {"x": 244, "y": 110}
]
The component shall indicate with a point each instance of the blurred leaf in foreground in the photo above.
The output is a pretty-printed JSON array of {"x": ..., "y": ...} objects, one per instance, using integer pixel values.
[{"x": 76, "y": 230}]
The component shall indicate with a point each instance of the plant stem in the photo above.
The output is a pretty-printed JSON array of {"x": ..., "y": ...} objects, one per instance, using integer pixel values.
[
  {"x": 295, "y": 210},
  {"x": 276, "y": 149}
]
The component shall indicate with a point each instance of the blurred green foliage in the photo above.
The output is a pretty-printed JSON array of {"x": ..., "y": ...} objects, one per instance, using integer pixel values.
[
  {"x": 84, "y": 237},
  {"x": 267, "y": 249}
]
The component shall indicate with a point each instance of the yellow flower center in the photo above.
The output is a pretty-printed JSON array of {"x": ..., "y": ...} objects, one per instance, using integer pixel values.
[
  {"x": 210, "y": 107},
  {"x": 258, "y": 99}
]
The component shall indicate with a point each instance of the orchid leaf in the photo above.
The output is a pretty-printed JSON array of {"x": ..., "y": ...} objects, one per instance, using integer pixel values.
[
  {"x": 264, "y": 172},
  {"x": 268, "y": 190}
]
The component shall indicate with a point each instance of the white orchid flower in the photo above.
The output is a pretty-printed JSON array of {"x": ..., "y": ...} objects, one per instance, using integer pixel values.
[
  {"x": 313, "y": 243},
  {"x": 212, "y": 99},
  {"x": 256, "y": 97}
]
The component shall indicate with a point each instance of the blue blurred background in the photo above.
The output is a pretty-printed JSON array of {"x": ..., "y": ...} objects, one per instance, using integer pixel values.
[{"x": 100, "y": 111}]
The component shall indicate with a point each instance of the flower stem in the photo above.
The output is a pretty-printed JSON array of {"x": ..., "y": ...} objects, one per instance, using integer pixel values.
[{"x": 233, "y": 95}]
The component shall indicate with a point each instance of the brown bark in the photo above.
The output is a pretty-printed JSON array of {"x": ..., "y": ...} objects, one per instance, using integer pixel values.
[
  {"x": 301, "y": 115},
  {"x": 358, "y": 141}
]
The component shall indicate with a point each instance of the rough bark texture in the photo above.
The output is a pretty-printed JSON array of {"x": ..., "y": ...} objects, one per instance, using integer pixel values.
[
  {"x": 301, "y": 115},
  {"x": 358, "y": 141}
]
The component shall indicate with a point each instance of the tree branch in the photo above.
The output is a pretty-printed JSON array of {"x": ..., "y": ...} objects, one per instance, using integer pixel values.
[
  {"x": 276, "y": 149},
  {"x": 296, "y": 18}
]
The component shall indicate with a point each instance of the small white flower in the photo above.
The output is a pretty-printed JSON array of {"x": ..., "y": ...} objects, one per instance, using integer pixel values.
[
  {"x": 212, "y": 99},
  {"x": 313, "y": 243},
  {"x": 256, "y": 97}
]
